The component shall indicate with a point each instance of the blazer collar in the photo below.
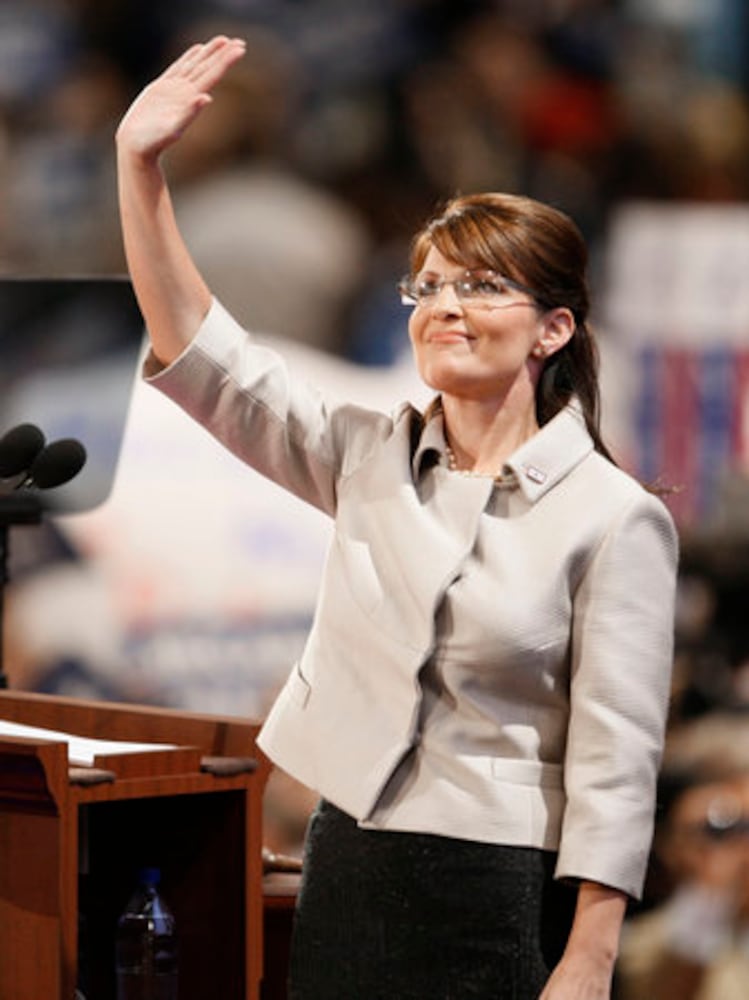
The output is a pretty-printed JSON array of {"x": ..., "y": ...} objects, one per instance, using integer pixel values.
[
  {"x": 539, "y": 463},
  {"x": 551, "y": 454}
]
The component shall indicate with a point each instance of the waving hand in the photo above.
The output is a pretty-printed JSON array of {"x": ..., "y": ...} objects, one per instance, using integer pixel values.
[{"x": 168, "y": 105}]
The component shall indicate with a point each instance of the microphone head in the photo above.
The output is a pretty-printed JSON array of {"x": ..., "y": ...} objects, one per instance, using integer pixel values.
[
  {"x": 57, "y": 463},
  {"x": 19, "y": 448}
]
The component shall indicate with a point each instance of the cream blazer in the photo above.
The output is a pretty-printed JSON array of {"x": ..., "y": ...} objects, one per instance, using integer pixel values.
[{"x": 484, "y": 663}]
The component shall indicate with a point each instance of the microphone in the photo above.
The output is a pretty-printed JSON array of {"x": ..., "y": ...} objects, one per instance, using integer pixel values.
[
  {"x": 26, "y": 461},
  {"x": 56, "y": 464},
  {"x": 19, "y": 448}
]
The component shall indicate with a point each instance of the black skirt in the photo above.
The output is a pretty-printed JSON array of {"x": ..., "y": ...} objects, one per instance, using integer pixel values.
[{"x": 402, "y": 916}]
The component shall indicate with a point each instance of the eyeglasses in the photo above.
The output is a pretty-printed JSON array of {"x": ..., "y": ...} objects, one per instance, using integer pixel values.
[
  {"x": 724, "y": 819},
  {"x": 474, "y": 289},
  {"x": 711, "y": 831}
]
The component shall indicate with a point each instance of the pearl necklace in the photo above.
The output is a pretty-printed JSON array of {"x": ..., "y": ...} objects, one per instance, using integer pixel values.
[{"x": 505, "y": 480}]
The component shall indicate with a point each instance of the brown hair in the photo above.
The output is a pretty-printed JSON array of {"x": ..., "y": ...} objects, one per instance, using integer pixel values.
[{"x": 543, "y": 249}]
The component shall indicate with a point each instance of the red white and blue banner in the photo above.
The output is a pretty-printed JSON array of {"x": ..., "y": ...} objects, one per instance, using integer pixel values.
[{"x": 678, "y": 313}]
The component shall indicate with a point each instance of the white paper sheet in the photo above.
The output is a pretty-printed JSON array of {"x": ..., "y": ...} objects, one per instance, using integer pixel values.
[{"x": 81, "y": 749}]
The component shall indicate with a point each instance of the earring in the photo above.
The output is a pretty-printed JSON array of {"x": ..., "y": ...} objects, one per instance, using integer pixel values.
[{"x": 539, "y": 351}]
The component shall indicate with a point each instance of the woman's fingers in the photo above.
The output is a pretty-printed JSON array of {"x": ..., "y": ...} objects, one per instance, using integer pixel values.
[
  {"x": 212, "y": 64},
  {"x": 184, "y": 61},
  {"x": 204, "y": 64}
]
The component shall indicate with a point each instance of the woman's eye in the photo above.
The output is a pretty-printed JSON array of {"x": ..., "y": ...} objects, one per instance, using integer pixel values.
[
  {"x": 427, "y": 289},
  {"x": 485, "y": 287}
]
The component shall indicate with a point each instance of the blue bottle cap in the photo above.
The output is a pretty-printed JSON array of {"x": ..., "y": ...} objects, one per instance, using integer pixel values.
[{"x": 150, "y": 876}]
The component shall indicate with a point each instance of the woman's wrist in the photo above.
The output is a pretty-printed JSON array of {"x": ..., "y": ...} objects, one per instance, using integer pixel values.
[
  {"x": 130, "y": 158},
  {"x": 597, "y": 926}
]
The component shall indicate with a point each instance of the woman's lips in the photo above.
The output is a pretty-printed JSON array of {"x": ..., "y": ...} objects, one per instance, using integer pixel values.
[{"x": 448, "y": 337}]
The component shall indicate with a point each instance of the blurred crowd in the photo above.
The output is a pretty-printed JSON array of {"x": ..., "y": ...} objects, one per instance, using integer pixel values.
[
  {"x": 689, "y": 937},
  {"x": 691, "y": 940},
  {"x": 347, "y": 122}
]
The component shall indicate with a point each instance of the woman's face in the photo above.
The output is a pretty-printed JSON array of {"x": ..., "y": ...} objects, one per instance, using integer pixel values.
[
  {"x": 476, "y": 352},
  {"x": 707, "y": 838}
]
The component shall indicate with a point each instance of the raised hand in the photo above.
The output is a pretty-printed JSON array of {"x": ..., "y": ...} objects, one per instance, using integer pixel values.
[{"x": 167, "y": 106}]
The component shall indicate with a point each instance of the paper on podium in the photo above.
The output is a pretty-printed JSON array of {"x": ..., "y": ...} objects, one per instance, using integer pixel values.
[{"x": 82, "y": 750}]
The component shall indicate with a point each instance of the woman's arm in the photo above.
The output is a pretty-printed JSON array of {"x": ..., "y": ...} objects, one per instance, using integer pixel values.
[
  {"x": 620, "y": 661},
  {"x": 172, "y": 295},
  {"x": 587, "y": 965},
  {"x": 621, "y": 667}
]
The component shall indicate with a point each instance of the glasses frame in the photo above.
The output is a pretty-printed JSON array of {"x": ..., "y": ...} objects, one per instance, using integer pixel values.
[
  {"x": 409, "y": 298},
  {"x": 725, "y": 818}
]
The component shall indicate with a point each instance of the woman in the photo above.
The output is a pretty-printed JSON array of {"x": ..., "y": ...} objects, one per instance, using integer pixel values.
[{"x": 481, "y": 701}]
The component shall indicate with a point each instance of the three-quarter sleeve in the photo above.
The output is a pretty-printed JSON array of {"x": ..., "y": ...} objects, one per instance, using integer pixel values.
[
  {"x": 243, "y": 394},
  {"x": 621, "y": 660}
]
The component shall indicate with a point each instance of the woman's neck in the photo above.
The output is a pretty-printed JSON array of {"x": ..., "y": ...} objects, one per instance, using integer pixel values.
[{"x": 483, "y": 434}]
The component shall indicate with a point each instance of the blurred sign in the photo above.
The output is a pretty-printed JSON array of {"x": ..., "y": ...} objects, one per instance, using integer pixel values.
[
  {"x": 69, "y": 349},
  {"x": 678, "y": 308}
]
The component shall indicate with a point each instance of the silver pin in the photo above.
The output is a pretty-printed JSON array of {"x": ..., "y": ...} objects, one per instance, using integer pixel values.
[{"x": 535, "y": 474}]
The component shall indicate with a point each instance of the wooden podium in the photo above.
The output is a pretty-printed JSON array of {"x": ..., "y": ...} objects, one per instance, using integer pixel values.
[{"x": 72, "y": 840}]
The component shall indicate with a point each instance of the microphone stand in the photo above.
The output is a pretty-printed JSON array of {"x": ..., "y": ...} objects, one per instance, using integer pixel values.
[{"x": 17, "y": 508}]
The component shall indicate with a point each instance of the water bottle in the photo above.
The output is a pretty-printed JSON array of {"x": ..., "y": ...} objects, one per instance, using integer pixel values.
[{"x": 146, "y": 944}]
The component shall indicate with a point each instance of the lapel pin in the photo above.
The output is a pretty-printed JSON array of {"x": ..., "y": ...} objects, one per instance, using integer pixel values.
[{"x": 536, "y": 475}]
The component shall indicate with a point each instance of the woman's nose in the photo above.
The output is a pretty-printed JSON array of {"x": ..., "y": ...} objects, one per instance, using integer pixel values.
[{"x": 446, "y": 301}]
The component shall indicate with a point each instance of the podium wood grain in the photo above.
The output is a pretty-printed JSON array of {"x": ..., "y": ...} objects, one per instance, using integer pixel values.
[{"x": 61, "y": 839}]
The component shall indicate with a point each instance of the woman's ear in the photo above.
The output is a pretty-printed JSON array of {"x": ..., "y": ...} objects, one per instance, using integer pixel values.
[{"x": 558, "y": 327}]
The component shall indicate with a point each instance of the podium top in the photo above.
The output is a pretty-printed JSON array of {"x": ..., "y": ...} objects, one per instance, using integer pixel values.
[
  {"x": 82, "y": 750},
  {"x": 116, "y": 722}
]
